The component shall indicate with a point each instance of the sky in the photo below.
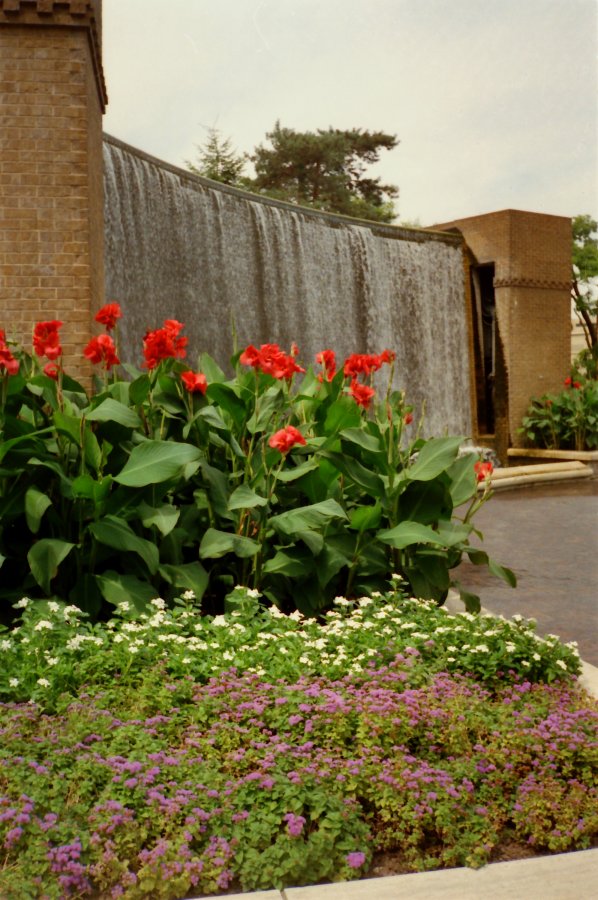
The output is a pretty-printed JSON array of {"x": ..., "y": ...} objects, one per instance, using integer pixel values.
[{"x": 494, "y": 102}]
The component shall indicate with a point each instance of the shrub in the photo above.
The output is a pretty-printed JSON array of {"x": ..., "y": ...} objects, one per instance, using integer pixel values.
[
  {"x": 188, "y": 480},
  {"x": 565, "y": 421}
]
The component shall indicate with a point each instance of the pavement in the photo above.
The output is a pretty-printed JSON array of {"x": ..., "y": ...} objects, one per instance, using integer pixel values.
[{"x": 548, "y": 534}]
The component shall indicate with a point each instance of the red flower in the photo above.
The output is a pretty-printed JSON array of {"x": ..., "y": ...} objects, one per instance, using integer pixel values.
[
  {"x": 194, "y": 383},
  {"x": 361, "y": 393},
  {"x": 108, "y": 315},
  {"x": 365, "y": 363},
  {"x": 286, "y": 438},
  {"x": 52, "y": 370},
  {"x": 164, "y": 343},
  {"x": 483, "y": 470},
  {"x": 271, "y": 360},
  {"x": 7, "y": 360},
  {"x": 327, "y": 358},
  {"x": 408, "y": 418},
  {"x": 101, "y": 349},
  {"x": 572, "y": 384},
  {"x": 46, "y": 341}
]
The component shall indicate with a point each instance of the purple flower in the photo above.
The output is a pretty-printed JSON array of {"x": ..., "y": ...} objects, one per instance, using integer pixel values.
[
  {"x": 294, "y": 824},
  {"x": 355, "y": 860}
]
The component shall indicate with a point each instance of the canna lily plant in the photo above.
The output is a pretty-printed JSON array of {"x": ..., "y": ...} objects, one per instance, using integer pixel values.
[{"x": 175, "y": 478}]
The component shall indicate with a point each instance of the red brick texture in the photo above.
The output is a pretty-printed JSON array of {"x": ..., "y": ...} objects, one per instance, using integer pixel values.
[{"x": 51, "y": 195}]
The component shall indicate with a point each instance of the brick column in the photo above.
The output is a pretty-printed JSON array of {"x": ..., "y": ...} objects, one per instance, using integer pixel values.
[{"x": 52, "y": 97}]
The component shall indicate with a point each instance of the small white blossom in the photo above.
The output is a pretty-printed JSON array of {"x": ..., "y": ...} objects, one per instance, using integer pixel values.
[
  {"x": 158, "y": 603},
  {"x": 43, "y": 682},
  {"x": 52, "y": 660},
  {"x": 561, "y": 664},
  {"x": 23, "y": 604},
  {"x": 43, "y": 625},
  {"x": 53, "y": 606},
  {"x": 124, "y": 606},
  {"x": 13, "y": 682},
  {"x": 188, "y": 595},
  {"x": 5, "y": 645},
  {"x": 219, "y": 621}
]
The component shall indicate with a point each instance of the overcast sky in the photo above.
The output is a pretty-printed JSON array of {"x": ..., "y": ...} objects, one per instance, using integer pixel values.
[{"x": 494, "y": 101}]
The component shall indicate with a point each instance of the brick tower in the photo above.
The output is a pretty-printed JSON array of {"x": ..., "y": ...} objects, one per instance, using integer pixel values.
[{"x": 52, "y": 96}]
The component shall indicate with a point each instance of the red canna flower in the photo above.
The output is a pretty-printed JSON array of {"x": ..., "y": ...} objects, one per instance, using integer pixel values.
[
  {"x": 195, "y": 383},
  {"x": 101, "y": 350},
  {"x": 7, "y": 361},
  {"x": 164, "y": 343},
  {"x": 483, "y": 470},
  {"x": 286, "y": 438},
  {"x": 361, "y": 393},
  {"x": 408, "y": 418},
  {"x": 52, "y": 370},
  {"x": 108, "y": 315},
  {"x": 46, "y": 341},
  {"x": 271, "y": 360},
  {"x": 327, "y": 358},
  {"x": 365, "y": 363}
]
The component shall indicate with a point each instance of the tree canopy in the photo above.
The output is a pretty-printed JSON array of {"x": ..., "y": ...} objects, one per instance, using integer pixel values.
[
  {"x": 585, "y": 276},
  {"x": 325, "y": 169}
]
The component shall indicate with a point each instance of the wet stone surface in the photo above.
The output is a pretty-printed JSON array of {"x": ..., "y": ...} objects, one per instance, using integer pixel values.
[{"x": 548, "y": 535}]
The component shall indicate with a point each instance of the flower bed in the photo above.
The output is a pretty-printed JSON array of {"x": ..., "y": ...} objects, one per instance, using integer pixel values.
[{"x": 171, "y": 754}]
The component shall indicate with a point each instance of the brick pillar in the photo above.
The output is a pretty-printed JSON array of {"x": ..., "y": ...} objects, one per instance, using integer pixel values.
[{"x": 52, "y": 97}]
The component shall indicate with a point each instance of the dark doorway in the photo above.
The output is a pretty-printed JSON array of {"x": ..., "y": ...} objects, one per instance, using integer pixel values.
[{"x": 484, "y": 319}]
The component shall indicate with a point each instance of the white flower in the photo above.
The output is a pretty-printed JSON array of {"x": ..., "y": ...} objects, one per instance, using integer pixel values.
[
  {"x": 53, "y": 606},
  {"x": 5, "y": 645},
  {"x": 365, "y": 602},
  {"x": 124, "y": 606},
  {"x": 23, "y": 604},
  {"x": 158, "y": 603},
  {"x": 187, "y": 660},
  {"x": 75, "y": 642},
  {"x": 43, "y": 625},
  {"x": 188, "y": 595},
  {"x": 509, "y": 647},
  {"x": 52, "y": 660},
  {"x": 219, "y": 621},
  {"x": 561, "y": 664},
  {"x": 536, "y": 657},
  {"x": 482, "y": 648},
  {"x": 43, "y": 682},
  {"x": 341, "y": 601},
  {"x": 13, "y": 682},
  {"x": 252, "y": 592},
  {"x": 304, "y": 660}
]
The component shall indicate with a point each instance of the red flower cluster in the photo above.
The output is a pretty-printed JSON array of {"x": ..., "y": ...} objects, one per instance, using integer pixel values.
[
  {"x": 286, "y": 438},
  {"x": 108, "y": 315},
  {"x": 102, "y": 350},
  {"x": 7, "y": 361},
  {"x": 408, "y": 418},
  {"x": 365, "y": 364},
  {"x": 483, "y": 470},
  {"x": 327, "y": 358},
  {"x": 164, "y": 343},
  {"x": 195, "y": 383},
  {"x": 361, "y": 393},
  {"x": 572, "y": 384},
  {"x": 52, "y": 370},
  {"x": 271, "y": 360},
  {"x": 46, "y": 341}
]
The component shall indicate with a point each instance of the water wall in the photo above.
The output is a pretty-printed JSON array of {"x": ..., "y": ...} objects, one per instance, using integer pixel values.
[{"x": 179, "y": 246}]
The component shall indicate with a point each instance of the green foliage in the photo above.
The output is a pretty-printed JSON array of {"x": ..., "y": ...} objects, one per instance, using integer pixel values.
[
  {"x": 146, "y": 489},
  {"x": 565, "y": 421},
  {"x": 218, "y": 160},
  {"x": 584, "y": 290},
  {"x": 326, "y": 169}
]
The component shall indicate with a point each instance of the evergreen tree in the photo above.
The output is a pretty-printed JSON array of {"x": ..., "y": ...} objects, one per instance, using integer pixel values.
[
  {"x": 218, "y": 160},
  {"x": 326, "y": 170}
]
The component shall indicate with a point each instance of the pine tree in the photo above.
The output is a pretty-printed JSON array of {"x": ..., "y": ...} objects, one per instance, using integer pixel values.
[{"x": 218, "y": 160}]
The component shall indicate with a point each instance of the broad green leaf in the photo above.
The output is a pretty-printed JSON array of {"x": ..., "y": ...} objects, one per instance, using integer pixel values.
[
  {"x": 244, "y": 498},
  {"x": 139, "y": 389},
  {"x": 477, "y": 557},
  {"x": 213, "y": 416},
  {"x": 216, "y": 543},
  {"x": 362, "y": 439},
  {"x": 343, "y": 413},
  {"x": 69, "y": 426},
  {"x": 187, "y": 577},
  {"x": 408, "y": 533},
  {"x": 111, "y": 410},
  {"x": 364, "y": 517},
  {"x": 163, "y": 517},
  {"x": 312, "y": 539},
  {"x": 435, "y": 456},
  {"x": 292, "y": 473},
  {"x": 425, "y": 502},
  {"x": 92, "y": 451},
  {"x": 330, "y": 561},
  {"x": 45, "y": 557},
  {"x": 472, "y": 601},
  {"x": 118, "y": 534},
  {"x": 117, "y": 589},
  {"x": 435, "y": 566},
  {"x": 6, "y": 446},
  {"x": 307, "y": 517},
  {"x": 156, "y": 461},
  {"x": 352, "y": 469},
  {"x": 452, "y": 533},
  {"x": 463, "y": 479},
  {"x": 502, "y": 572},
  {"x": 210, "y": 368},
  {"x": 218, "y": 489},
  {"x": 228, "y": 400},
  {"x": 284, "y": 562},
  {"x": 36, "y": 503}
]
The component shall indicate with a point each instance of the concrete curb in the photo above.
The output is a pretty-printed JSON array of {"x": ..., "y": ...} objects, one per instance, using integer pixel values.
[{"x": 542, "y": 473}]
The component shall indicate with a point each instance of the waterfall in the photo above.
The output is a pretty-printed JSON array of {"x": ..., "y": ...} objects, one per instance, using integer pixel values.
[{"x": 179, "y": 246}]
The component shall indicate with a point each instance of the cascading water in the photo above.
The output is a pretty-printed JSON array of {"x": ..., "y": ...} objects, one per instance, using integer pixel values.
[{"x": 179, "y": 246}]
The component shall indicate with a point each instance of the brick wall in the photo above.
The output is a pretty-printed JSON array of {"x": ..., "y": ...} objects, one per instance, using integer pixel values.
[
  {"x": 51, "y": 217},
  {"x": 531, "y": 253}
]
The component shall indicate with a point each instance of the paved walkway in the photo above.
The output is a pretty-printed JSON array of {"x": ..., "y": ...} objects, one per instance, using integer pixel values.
[{"x": 549, "y": 537}]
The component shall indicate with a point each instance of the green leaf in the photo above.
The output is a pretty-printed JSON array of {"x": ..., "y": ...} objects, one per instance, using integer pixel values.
[
  {"x": 435, "y": 456},
  {"x": 463, "y": 479},
  {"x": 507, "y": 575},
  {"x": 92, "y": 451},
  {"x": 210, "y": 368},
  {"x": 163, "y": 517},
  {"x": 139, "y": 389},
  {"x": 408, "y": 533},
  {"x": 117, "y": 589},
  {"x": 188, "y": 577},
  {"x": 44, "y": 558},
  {"x": 425, "y": 502},
  {"x": 216, "y": 543},
  {"x": 452, "y": 533},
  {"x": 343, "y": 413},
  {"x": 312, "y": 539},
  {"x": 364, "y": 517},
  {"x": 307, "y": 517},
  {"x": 244, "y": 498},
  {"x": 362, "y": 439},
  {"x": 291, "y": 474},
  {"x": 156, "y": 461},
  {"x": 352, "y": 469},
  {"x": 118, "y": 534},
  {"x": 227, "y": 399},
  {"x": 471, "y": 601},
  {"x": 36, "y": 503},
  {"x": 289, "y": 563},
  {"x": 69, "y": 426},
  {"x": 111, "y": 410}
]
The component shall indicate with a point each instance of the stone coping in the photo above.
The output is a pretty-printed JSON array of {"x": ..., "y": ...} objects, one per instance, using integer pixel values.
[{"x": 541, "y": 472}]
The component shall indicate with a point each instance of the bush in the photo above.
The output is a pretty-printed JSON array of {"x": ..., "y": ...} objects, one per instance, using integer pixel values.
[
  {"x": 565, "y": 421},
  {"x": 188, "y": 480}
]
